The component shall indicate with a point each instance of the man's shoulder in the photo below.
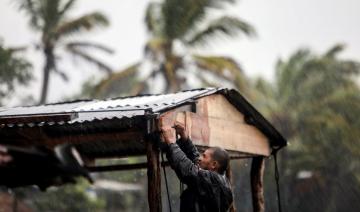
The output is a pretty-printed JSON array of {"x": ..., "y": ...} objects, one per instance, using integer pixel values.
[{"x": 212, "y": 176}]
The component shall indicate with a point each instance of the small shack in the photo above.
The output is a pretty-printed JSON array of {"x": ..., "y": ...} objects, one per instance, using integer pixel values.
[{"x": 128, "y": 126}]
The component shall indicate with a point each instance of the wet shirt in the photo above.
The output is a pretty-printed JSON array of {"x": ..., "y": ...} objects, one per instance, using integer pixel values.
[{"x": 206, "y": 190}]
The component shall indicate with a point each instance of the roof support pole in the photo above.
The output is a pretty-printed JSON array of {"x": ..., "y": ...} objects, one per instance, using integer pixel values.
[
  {"x": 229, "y": 176},
  {"x": 154, "y": 176},
  {"x": 257, "y": 188}
]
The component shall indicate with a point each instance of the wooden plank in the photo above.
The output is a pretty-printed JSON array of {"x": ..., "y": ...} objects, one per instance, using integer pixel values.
[
  {"x": 228, "y": 175},
  {"x": 168, "y": 118},
  {"x": 227, "y": 127},
  {"x": 218, "y": 123},
  {"x": 228, "y": 134},
  {"x": 88, "y": 138},
  {"x": 238, "y": 136},
  {"x": 217, "y": 106},
  {"x": 197, "y": 126},
  {"x": 154, "y": 177},
  {"x": 121, "y": 167},
  {"x": 257, "y": 184}
]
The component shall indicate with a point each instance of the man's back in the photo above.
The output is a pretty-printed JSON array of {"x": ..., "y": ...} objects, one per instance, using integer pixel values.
[{"x": 212, "y": 193}]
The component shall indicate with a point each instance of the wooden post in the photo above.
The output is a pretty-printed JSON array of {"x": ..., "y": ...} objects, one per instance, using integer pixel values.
[
  {"x": 257, "y": 173},
  {"x": 154, "y": 177},
  {"x": 228, "y": 175}
]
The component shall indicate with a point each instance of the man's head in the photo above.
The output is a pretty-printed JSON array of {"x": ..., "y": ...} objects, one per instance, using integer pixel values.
[{"x": 214, "y": 159}]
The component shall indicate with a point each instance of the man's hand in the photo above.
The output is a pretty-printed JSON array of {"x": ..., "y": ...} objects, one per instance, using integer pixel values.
[
  {"x": 181, "y": 130},
  {"x": 168, "y": 135}
]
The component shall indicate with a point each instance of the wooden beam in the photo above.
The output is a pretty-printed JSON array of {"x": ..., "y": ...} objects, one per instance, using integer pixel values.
[
  {"x": 238, "y": 137},
  {"x": 95, "y": 137},
  {"x": 154, "y": 176},
  {"x": 257, "y": 183},
  {"x": 227, "y": 127},
  {"x": 229, "y": 177},
  {"x": 227, "y": 133},
  {"x": 121, "y": 167}
]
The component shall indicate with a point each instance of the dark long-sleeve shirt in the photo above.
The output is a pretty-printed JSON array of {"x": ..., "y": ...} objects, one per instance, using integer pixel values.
[{"x": 206, "y": 190}]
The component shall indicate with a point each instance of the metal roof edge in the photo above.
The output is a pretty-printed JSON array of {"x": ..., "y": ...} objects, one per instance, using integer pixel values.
[{"x": 207, "y": 91}]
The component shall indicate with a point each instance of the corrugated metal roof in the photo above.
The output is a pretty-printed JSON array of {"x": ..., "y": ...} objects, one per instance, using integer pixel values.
[
  {"x": 153, "y": 103},
  {"x": 90, "y": 110},
  {"x": 87, "y": 115}
]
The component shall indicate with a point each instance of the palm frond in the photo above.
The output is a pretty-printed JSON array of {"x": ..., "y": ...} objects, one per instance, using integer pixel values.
[
  {"x": 90, "y": 45},
  {"x": 152, "y": 18},
  {"x": 179, "y": 18},
  {"x": 264, "y": 96},
  {"x": 288, "y": 74},
  {"x": 169, "y": 71},
  {"x": 155, "y": 47},
  {"x": 226, "y": 26},
  {"x": 138, "y": 88},
  {"x": 265, "y": 88},
  {"x": 225, "y": 68},
  {"x": 219, "y": 4},
  {"x": 222, "y": 66},
  {"x": 333, "y": 51},
  {"x": 17, "y": 49},
  {"x": 31, "y": 8},
  {"x": 62, "y": 74},
  {"x": 118, "y": 77},
  {"x": 49, "y": 12},
  {"x": 85, "y": 56},
  {"x": 84, "y": 23},
  {"x": 67, "y": 6},
  {"x": 204, "y": 81}
]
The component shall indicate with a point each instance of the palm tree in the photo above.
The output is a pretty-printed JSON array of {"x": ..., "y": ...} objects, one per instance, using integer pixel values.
[
  {"x": 50, "y": 18},
  {"x": 314, "y": 102},
  {"x": 14, "y": 70},
  {"x": 184, "y": 24}
]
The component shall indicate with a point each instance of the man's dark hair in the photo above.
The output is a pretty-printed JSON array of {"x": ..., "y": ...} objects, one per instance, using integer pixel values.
[{"x": 222, "y": 157}]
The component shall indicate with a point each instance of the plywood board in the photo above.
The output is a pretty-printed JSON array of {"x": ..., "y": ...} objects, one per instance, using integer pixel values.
[
  {"x": 218, "y": 123},
  {"x": 217, "y": 106},
  {"x": 237, "y": 136}
]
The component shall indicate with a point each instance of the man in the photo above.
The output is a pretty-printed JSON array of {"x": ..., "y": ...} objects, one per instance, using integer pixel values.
[{"x": 207, "y": 187}]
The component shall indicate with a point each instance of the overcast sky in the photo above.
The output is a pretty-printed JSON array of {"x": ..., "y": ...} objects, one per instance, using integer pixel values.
[{"x": 282, "y": 26}]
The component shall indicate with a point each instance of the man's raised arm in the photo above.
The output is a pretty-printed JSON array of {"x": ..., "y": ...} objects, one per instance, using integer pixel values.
[
  {"x": 185, "y": 143},
  {"x": 185, "y": 169}
]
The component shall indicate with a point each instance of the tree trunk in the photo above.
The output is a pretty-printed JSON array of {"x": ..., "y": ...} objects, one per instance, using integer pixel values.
[
  {"x": 154, "y": 177},
  {"x": 49, "y": 65},
  {"x": 257, "y": 173},
  {"x": 169, "y": 69}
]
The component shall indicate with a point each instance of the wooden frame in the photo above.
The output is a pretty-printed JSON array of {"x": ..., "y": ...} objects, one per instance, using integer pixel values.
[
  {"x": 257, "y": 183},
  {"x": 211, "y": 120}
]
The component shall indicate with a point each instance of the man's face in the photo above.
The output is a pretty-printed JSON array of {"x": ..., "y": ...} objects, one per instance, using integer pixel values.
[{"x": 206, "y": 162}]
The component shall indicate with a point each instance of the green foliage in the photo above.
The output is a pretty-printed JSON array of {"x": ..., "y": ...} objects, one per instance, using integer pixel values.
[
  {"x": 51, "y": 19},
  {"x": 315, "y": 103},
  {"x": 186, "y": 23},
  {"x": 68, "y": 198},
  {"x": 126, "y": 200},
  {"x": 14, "y": 71}
]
